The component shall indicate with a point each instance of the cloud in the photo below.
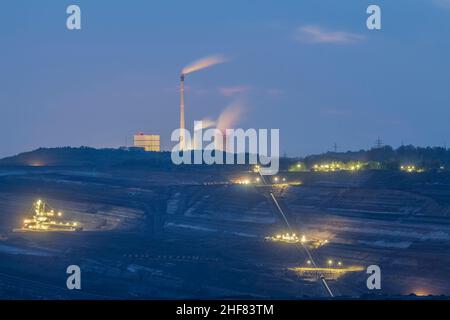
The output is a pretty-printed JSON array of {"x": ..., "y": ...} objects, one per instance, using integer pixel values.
[
  {"x": 175, "y": 90},
  {"x": 336, "y": 111},
  {"x": 316, "y": 34},
  {"x": 274, "y": 92},
  {"x": 231, "y": 91},
  {"x": 442, "y": 3}
]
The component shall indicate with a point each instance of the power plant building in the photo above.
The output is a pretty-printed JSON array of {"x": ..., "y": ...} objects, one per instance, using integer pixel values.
[{"x": 148, "y": 142}]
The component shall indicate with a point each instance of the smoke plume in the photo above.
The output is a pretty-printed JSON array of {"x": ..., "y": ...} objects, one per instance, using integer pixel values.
[
  {"x": 203, "y": 63},
  {"x": 206, "y": 123},
  {"x": 230, "y": 116}
]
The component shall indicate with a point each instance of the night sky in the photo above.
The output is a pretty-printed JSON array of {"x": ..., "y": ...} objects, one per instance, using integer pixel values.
[{"x": 310, "y": 68}]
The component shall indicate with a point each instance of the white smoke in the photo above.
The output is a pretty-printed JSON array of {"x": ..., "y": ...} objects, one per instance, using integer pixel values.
[{"x": 203, "y": 63}]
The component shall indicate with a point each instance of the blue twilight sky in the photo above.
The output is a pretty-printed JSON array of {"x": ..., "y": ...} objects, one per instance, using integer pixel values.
[{"x": 310, "y": 68}]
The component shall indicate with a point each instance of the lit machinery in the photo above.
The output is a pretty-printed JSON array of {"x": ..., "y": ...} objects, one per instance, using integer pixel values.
[
  {"x": 45, "y": 219},
  {"x": 411, "y": 169},
  {"x": 286, "y": 237},
  {"x": 338, "y": 166},
  {"x": 293, "y": 238},
  {"x": 329, "y": 273}
]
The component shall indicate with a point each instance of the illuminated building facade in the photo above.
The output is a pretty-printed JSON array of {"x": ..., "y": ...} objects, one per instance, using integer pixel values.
[{"x": 148, "y": 142}]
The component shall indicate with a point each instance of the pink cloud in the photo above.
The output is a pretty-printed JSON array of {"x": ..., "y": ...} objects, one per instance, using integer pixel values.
[
  {"x": 274, "y": 92},
  {"x": 231, "y": 91},
  {"x": 316, "y": 34}
]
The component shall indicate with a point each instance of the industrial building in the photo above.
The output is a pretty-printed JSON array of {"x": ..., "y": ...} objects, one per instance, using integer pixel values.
[{"x": 149, "y": 142}]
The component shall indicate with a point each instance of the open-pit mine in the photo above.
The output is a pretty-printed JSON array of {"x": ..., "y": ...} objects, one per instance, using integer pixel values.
[{"x": 168, "y": 233}]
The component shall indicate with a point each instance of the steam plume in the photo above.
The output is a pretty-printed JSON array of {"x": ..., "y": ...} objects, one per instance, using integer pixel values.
[
  {"x": 230, "y": 116},
  {"x": 203, "y": 63},
  {"x": 206, "y": 123}
]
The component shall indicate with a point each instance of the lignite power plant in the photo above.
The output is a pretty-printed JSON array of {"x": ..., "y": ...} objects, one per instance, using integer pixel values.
[
  {"x": 152, "y": 142},
  {"x": 194, "y": 66}
]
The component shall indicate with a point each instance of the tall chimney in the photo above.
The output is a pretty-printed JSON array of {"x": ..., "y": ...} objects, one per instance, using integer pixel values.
[{"x": 182, "y": 137}]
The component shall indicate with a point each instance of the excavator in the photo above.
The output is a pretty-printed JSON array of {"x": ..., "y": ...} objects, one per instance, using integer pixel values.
[{"x": 46, "y": 219}]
